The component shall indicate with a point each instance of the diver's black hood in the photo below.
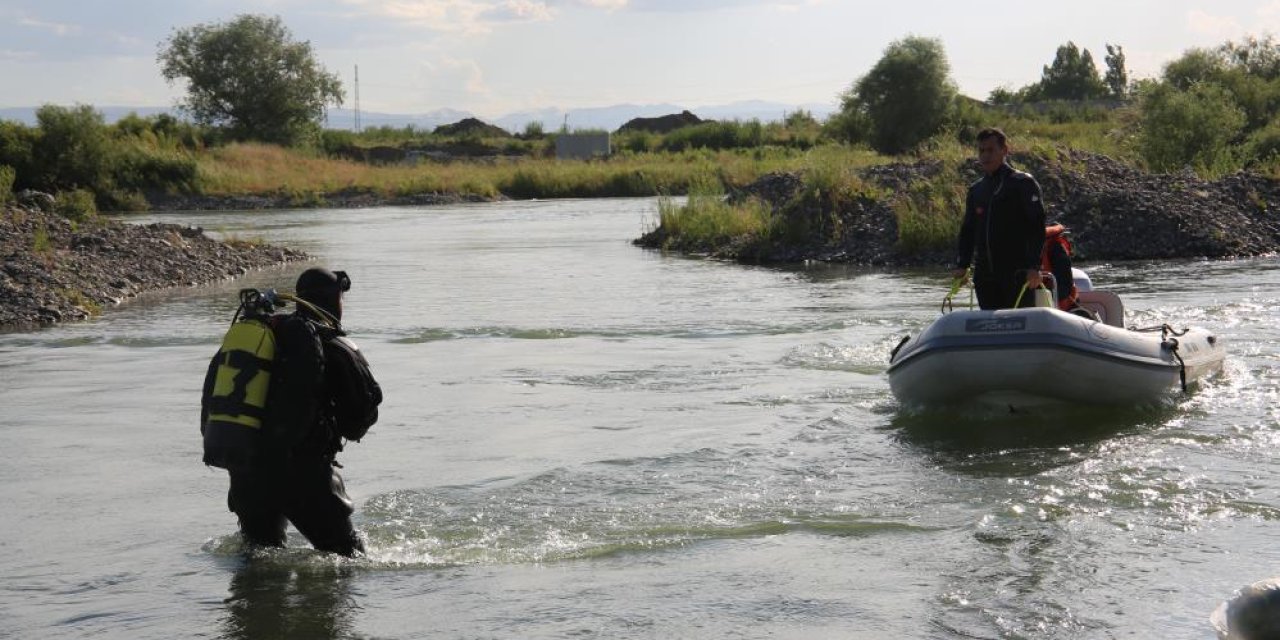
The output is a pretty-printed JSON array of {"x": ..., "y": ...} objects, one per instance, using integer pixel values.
[{"x": 324, "y": 288}]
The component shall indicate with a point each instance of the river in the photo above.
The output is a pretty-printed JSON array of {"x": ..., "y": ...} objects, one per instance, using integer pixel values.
[{"x": 582, "y": 438}]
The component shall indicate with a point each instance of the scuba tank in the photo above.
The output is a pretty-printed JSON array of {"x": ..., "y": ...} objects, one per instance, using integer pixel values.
[{"x": 234, "y": 403}]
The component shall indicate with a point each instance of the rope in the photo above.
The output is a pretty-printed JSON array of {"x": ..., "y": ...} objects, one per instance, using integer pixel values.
[
  {"x": 1165, "y": 330},
  {"x": 947, "y": 304},
  {"x": 893, "y": 354},
  {"x": 1172, "y": 345}
]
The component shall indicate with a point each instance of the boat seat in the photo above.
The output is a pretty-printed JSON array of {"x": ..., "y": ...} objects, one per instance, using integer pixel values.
[{"x": 1105, "y": 304}]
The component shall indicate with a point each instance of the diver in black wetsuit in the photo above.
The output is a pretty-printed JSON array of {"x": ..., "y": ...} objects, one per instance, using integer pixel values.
[{"x": 321, "y": 392}]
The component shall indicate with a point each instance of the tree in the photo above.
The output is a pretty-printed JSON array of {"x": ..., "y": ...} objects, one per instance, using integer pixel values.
[
  {"x": 904, "y": 99},
  {"x": 1072, "y": 76},
  {"x": 1194, "y": 127},
  {"x": 73, "y": 148},
  {"x": 1002, "y": 95},
  {"x": 251, "y": 77},
  {"x": 1117, "y": 78},
  {"x": 1249, "y": 71}
]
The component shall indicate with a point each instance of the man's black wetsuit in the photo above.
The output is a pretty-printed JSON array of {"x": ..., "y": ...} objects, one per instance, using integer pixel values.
[
  {"x": 1004, "y": 223},
  {"x": 312, "y": 404}
]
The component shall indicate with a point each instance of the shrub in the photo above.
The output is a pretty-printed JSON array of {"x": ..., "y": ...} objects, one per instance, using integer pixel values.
[
  {"x": 137, "y": 168},
  {"x": 17, "y": 142},
  {"x": 1263, "y": 145},
  {"x": 72, "y": 149},
  {"x": 7, "y": 176},
  {"x": 334, "y": 140},
  {"x": 716, "y": 135},
  {"x": 76, "y": 205},
  {"x": 706, "y": 221},
  {"x": 929, "y": 213},
  {"x": 1193, "y": 127}
]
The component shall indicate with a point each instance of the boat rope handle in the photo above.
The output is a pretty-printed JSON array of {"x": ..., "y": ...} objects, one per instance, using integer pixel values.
[
  {"x": 1023, "y": 290},
  {"x": 1172, "y": 345},
  {"x": 947, "y": 305},
  {"x": 1165, "y": 330},
  {"x": 893, "y": 354}
]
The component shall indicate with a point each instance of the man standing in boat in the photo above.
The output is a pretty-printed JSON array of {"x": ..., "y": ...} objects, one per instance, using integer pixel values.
[{"x": 1004, "y": 222}]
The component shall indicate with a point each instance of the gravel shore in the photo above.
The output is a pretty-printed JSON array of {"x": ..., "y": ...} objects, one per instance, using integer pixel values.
[
  {"x": 1114, "y": 212},
  {"x": 53, "y": 270}
]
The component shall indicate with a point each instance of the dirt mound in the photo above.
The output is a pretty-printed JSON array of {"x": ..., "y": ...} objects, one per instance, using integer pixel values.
[
  {"x": 471, "y": 127},
  {"x": 1117, "y": 212},
  {"x": 662, "y": 124}
]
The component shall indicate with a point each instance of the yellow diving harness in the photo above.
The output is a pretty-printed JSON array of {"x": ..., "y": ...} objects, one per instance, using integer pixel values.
[{"x": 239, "y": 378}]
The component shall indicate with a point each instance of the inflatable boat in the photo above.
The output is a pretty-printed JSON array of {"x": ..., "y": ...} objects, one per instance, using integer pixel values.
[{"x": 1038, "y": 355}]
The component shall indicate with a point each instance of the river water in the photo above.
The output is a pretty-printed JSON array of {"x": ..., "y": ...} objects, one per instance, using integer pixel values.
[{"x": 582, "y": 438}]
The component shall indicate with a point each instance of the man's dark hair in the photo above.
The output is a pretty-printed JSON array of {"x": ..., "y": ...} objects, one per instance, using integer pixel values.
[{"x": 992, "y": 132}]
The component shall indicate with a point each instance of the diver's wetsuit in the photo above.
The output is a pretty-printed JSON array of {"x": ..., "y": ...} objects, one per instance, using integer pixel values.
[
  {"x": 294, "y": 478},
  {"x": 1004, "y": 222}
]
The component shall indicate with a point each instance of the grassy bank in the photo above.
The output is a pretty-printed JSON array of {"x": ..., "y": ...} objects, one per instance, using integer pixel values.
[
  {"x": 925, "y": 202},
  {"x": 241, "y": 169}
]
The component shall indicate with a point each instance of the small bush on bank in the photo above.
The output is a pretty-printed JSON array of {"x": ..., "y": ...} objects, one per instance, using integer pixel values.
[
  {"x": 1193, "y": 127},
  {"x": 715, "y": 135},
  {"x": 76, "y": 205},
  {"x": 7, "y": 177},
  {"x": 706, "y": 221},
  {"x": 930, "y": 212}
]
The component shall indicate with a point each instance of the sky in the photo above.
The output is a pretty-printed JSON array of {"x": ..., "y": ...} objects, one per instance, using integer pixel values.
[{"x": 493, "y": 57}]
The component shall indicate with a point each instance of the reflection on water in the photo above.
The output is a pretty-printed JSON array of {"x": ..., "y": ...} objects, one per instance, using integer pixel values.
[
  {"x": 990, "y": 441},
  {"x": 290, "y": 594}
]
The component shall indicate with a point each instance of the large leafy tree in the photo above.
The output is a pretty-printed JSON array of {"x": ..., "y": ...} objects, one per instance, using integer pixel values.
[
  {"x": 250, "y": 76},
  {"x": 904, "y": 99},
  {"x": 1072, "y": 76}
]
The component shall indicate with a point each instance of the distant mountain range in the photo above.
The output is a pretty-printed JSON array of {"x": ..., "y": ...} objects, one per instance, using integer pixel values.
[{"x": 607, "y": 118}]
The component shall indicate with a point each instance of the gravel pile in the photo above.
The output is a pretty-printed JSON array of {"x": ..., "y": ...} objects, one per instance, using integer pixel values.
[{"x": 52, "y": 270}]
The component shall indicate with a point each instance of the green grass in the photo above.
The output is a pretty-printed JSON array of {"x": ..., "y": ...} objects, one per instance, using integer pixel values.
[
  {"x": 930, "y": 213},
  {"x": 77, "y": 298},
  {"x": 255, "y": 169},
  {"x": 706, "y": 222},
  {"x": 41, "y": 244}
]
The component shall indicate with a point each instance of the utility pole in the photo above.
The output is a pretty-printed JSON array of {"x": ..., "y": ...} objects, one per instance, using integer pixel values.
[{"x": 357, "y": 99}]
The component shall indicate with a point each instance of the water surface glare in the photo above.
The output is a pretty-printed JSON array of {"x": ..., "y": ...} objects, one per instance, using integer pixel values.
[{"x": 586, "y": 439}]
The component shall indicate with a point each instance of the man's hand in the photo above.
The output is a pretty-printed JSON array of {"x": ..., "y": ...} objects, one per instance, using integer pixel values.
[
  {"x": 1033, "y": 279},
  {"x": 960, "y": 274}
]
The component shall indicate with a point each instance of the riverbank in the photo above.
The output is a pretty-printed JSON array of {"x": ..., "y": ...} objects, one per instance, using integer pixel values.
[
  {"x": 53, "y": 270},
  {"x": 1114, "y": 212}
]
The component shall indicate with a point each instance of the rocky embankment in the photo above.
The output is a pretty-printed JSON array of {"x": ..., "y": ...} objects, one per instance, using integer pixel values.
[
  {"x": 52, "y": 270},
  {"x": 1114, "y": 212}
]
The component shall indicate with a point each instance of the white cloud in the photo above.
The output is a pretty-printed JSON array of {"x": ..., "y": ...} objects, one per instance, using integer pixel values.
[
  {"x": 465, "y": 16},
  {"x": 10, "y": 55},
  {"x": 611, "y": 5},
  {"x": 52, "y": 27},
  {"x": 1208, "y": 24},
  {"x": 1270, "y": 16},
  {"x": 519, "y": 11}
]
